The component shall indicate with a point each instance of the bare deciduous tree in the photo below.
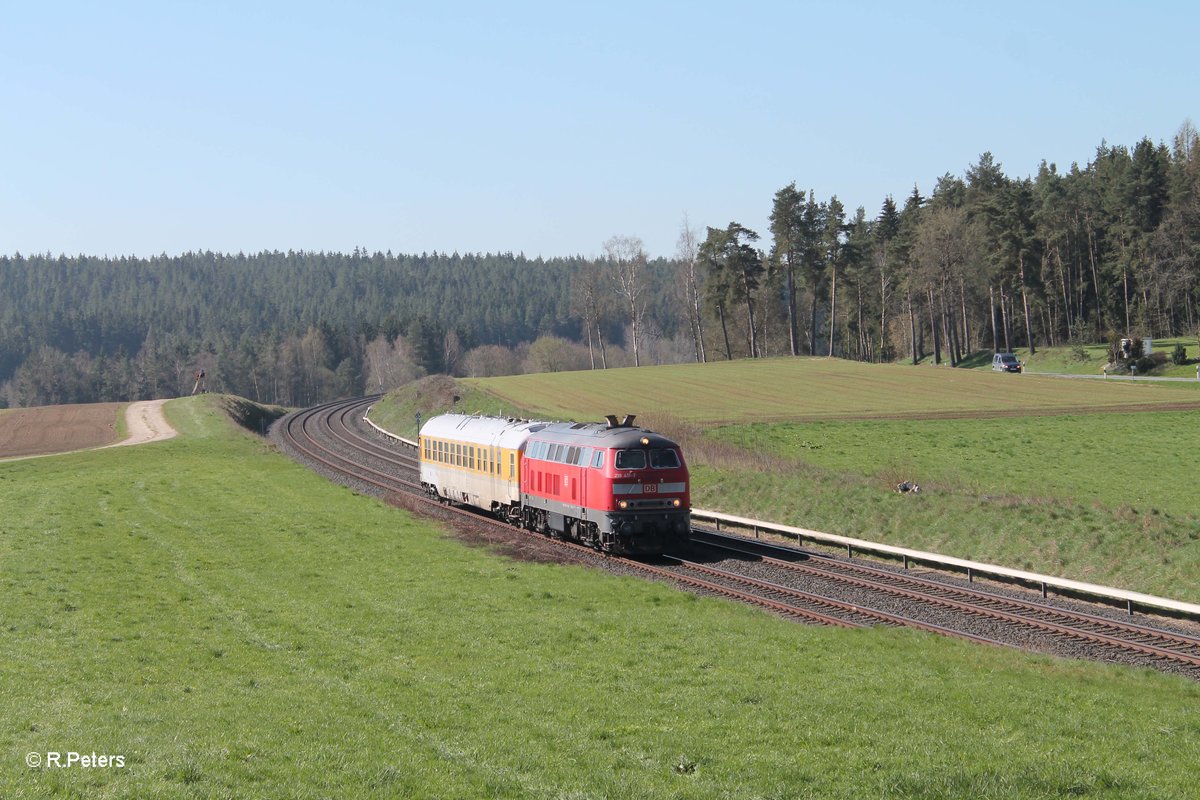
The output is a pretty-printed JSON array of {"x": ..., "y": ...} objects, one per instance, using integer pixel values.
[
  {"x": 627, "y": 259},
  {"x": 687, "y": 251}
]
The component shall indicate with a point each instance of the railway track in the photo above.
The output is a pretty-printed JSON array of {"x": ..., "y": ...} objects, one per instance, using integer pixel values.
[
  {"x": 815, "y": 588},
  {"x": 1081, "y": 626}
]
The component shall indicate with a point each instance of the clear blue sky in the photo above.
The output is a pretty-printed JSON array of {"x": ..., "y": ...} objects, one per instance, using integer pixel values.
[{"x": 543, "y": 128}]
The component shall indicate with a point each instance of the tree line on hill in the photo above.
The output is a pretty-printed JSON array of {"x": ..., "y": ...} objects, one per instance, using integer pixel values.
[{"x": 986, "y": 262}]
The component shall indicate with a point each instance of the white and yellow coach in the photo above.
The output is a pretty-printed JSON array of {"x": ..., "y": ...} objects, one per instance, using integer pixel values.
[{"x": 475, "y": 460}]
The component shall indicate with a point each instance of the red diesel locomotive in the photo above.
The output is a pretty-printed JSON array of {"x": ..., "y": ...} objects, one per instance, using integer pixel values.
[{"x": 616, "y": 487}]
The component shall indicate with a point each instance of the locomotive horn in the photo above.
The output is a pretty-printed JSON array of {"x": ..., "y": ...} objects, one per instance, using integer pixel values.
[
  {"x": 628, "y": 421},
  {"x": 612, "y": 420}
]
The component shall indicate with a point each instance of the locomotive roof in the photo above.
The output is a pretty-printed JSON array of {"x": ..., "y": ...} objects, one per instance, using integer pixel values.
[{"x": 597, "y": 434}]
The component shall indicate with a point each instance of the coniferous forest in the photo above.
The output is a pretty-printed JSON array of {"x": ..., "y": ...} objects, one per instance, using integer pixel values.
[{"x": 985, "y": 261}]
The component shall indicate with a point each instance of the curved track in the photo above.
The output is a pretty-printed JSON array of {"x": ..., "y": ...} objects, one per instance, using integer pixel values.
[{"x": 333, "y": 439}]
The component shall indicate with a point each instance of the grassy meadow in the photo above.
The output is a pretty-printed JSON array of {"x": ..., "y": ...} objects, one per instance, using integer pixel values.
[
  {"x": 1097, "y": 497},
  {"x": 236, "y": 626},
  {"x": 809, "y": 389},
  {"x": 1084, "y": 479}
]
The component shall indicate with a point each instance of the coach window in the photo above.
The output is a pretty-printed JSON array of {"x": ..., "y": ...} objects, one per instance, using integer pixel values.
[{"x": 512, "y": 465}]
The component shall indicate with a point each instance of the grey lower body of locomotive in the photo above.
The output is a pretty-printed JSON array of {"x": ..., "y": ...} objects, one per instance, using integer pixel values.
[{"x": 641, "y": 532}]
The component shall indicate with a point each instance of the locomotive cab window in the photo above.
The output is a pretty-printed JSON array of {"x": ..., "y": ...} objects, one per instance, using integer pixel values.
[
  {"x": 598, "y": 460},
  {"x": 662, "y": 458},
  {"x": 631, "y": 459}
]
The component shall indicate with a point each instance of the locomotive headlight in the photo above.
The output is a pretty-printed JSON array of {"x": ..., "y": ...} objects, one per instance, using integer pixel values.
[
  {"x": 623, "y": 504},
  {"x": 676, "y": 503},
  {"x": 645, "y": 440}
]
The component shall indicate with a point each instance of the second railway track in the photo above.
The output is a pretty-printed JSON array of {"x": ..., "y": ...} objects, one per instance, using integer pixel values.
[{"x": 334, "y": 439}]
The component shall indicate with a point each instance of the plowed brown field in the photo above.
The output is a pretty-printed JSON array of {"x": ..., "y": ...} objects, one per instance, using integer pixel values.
[{"x": 57, "y": 429}]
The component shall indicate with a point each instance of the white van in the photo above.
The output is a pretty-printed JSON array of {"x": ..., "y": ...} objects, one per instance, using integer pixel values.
[{"x": 1005, "y": 362}]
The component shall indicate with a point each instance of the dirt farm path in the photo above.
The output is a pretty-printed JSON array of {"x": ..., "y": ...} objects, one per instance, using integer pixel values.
[
  {"x": 145, "y": 422},
  {"x": 54, "y": 430}
]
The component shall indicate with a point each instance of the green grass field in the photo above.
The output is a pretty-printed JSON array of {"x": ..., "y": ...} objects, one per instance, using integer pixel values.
[
  {"x": 1045, "y": 474},
  {"x": 1078, "y": 496},
  {"x": 236, "y": 626},
  {"x": 812, "y": 389}
]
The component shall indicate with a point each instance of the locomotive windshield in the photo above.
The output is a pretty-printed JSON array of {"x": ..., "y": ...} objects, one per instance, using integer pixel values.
[
  {"x": 660, "y": 458},
  {"x": 631, "y": 459},
  {"x": 664, "y": 459}
]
